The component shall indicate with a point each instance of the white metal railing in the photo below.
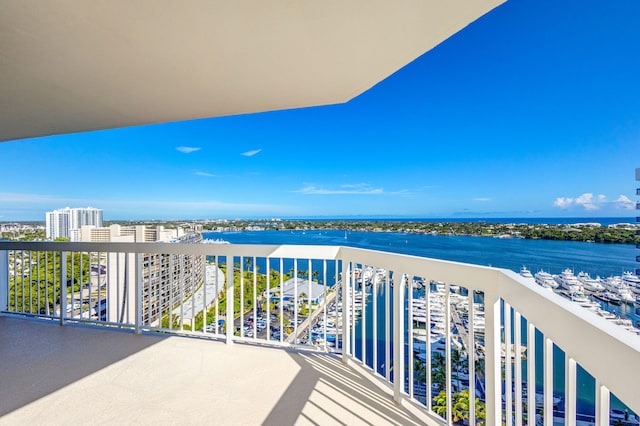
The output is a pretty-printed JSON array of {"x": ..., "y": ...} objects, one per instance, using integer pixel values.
[{"x": 431, "y": 330}]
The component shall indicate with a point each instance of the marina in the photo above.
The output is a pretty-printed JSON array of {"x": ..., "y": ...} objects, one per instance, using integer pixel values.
[{"x": 598, "y": 295}]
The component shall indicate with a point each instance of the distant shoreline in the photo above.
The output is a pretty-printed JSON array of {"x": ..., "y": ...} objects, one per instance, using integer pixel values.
[
  {"x": 595, "y": 232},
  {"x": 607, "y": 220},
  {"x": 613, "y": 230}
]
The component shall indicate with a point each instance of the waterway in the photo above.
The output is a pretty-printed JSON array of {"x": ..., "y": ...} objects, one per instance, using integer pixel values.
[{"x": 511, "y": 253}]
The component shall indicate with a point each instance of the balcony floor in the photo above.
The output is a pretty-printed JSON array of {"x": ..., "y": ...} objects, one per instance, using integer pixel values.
[{"x": 76, "y": 375}]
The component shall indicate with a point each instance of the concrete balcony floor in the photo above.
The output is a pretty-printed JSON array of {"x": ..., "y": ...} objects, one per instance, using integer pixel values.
[{"x": 88, "y": 375}]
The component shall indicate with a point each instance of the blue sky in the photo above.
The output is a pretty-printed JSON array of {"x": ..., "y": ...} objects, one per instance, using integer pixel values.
[{"x": 531, "y": 111}]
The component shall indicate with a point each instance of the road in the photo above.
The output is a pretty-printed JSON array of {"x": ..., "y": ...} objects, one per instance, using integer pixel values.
[
  {"x": 302, "y": 328},
  {"x": 195, "y": 304}
]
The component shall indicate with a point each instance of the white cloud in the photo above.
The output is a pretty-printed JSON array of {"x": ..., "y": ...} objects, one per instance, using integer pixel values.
[
  {"x": 206, "y": 174},
  {"x": 563, "y": 202},
  {"x": 482, "y": 199},
  {"x": 251, "y": 153},
  {"x": 355, "y": 189},
  {"x": 187, "y": 149},
  {"x": 586, "y": 200},
  {"x": 590, "y": 202},
  {"x": 624, "y": 202}
]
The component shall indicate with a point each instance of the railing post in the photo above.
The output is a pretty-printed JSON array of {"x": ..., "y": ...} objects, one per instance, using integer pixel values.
[
  {"x": 346, "y": 337},
  {"x": 398, "y": 337},
  {"x": 229, "y": 298},
  {"x": 493, "y": 375},
  {"x": 63, "y": 286},
  {"x": 447, "y": 352},
  {"x": 138, "y": 293},
  {"x": 531, "y": 374},
  {"x": 4, "y": 280},
  {"x": 602, "y": 404},
  {"x": 517, "y": 359},
  {"x": 508, "y": 376},
  {"x": 471, "y": 355},
  {"x": 570, "y": 393},
  {"x": 547, "y": 407}
]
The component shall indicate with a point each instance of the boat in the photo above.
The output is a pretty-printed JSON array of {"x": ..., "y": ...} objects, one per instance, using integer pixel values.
[
  {"x": 609, "y": 297},
  {"x": 590, "y": 284},
  {"x": 525, "y": 272},
  {"x": 606, "y": 314},
  {"x": 633, "y": 281},
  {"x": 617, "y": 286},
  {"x": 545, "y": 279},
  {"x": 568, "y": 281},
  {"x": 579, "y": 297},
  {"x": 216, "y": 241}
]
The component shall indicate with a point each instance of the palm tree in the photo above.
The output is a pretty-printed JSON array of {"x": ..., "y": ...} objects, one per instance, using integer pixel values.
[
  {"x": 419, "y": 370},
  {"x": 457, "y": 361},
  {"x": 438, "y": 370}
]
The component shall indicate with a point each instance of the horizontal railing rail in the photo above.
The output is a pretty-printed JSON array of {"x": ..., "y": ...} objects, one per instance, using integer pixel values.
[{"x": 432, "y": 330}]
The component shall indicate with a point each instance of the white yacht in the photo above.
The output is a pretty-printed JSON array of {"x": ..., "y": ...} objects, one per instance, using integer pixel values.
[
  {"x": 609, "y": 297},
  {"x": 525, "y": 272},
  {"x": 545, "y": 280},
  {"x": 617, "y": 286},
  {"x": 568, "y": 281},
  {"x": 590, "y": 284},
  {"x": 633, "y": 281}
]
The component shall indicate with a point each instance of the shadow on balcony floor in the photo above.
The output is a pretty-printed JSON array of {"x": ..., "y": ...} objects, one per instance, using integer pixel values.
[
  {"x": 77, "y": 375},
  {"x": 326, "y": 391},
  {"x": 39, "y": 357}
]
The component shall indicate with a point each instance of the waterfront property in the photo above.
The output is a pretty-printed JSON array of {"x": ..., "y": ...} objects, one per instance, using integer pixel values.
[
  {"x": 76, "y": 66},
  {"x": 380, "y": 324}
]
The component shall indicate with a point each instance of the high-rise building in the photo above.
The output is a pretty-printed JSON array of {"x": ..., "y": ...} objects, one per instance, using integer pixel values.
[
  {"x": 167, "y": 279},
  {"x": 67, "y": 222},
  {"x": 57, "y": 224}
]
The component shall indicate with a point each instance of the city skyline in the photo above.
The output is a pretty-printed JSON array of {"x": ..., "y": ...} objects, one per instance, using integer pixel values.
[{"x": 531, "y": 111}]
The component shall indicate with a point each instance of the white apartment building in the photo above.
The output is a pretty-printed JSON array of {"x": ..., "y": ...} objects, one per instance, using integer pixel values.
[
  {"x": 66, "y": 222},
  {"x": 167, "y": 279}
]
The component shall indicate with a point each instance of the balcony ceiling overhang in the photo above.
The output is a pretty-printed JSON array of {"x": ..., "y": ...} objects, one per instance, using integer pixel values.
[{"x": 75, "y": 65}]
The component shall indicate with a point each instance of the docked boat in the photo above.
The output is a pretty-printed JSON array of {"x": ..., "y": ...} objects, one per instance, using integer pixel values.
[
  {"x": 609, "y": 297},
  {"x": 605, "y": 314},
  {"x": 525, "y": 272},
  {"x": 579, "y": 297},
  {"x": 617, "y": 286},
  {"x": 633, "y": 281},
  {"x": 590, "y": 284},
  {"x": 545, "y": 279},
  {"x": 568, "y": 281}
]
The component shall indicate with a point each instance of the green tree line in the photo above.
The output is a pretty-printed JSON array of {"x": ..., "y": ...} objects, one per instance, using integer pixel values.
[{"x": 34, "y": 283}]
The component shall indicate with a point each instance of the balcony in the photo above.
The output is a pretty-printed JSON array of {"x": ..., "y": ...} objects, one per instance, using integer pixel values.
[{"x": 308, "y": 334}]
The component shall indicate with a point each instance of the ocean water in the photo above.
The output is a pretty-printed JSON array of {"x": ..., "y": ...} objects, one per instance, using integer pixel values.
[{"x": 511, "y": 253}]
